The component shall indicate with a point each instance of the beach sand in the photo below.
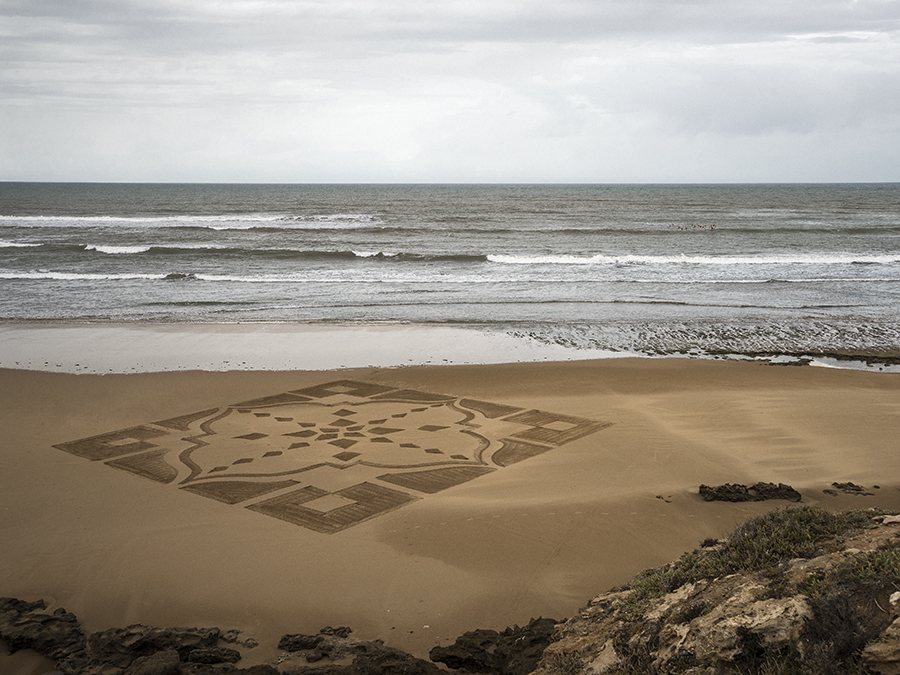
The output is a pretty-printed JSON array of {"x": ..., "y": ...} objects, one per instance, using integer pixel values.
[{"x": 599, "y": 485}]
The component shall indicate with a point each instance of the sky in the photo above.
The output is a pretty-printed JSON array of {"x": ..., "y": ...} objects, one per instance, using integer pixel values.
[{"x": 587, "y": 91}]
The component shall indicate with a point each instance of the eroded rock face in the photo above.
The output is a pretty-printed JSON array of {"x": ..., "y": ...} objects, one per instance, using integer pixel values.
[
  {"x": 724, "y": 633},
  {"x": 57, "y": 636},
  {"x": 883, "y": 655}
]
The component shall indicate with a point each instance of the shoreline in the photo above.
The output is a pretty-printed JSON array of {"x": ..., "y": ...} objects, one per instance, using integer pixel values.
[
  {"x": 98, "y": 348},
  {"x": 134, "y": 347},
  {"x": 538, "y": 537}
]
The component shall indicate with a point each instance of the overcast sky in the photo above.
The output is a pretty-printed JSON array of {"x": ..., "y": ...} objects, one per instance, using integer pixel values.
[{"x": 450, "y": 90}]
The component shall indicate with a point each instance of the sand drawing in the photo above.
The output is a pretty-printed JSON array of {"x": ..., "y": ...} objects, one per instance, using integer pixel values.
[{"x": 332, "y": 456}]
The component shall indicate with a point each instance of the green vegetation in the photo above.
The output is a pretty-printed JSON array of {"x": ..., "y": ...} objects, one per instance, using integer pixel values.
[{"x": 881, "y": 567}]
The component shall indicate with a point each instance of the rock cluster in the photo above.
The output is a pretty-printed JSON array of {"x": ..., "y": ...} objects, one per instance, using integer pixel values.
[
  {"x": 514, "y": 651},
  {"x": 135, "y": 650},
  {"x": 147, "y": 650},
  {"x": 848, "y": 489}
]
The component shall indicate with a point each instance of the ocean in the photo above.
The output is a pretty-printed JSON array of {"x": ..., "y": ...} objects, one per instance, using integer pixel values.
[{"x": 651, "y": 269}]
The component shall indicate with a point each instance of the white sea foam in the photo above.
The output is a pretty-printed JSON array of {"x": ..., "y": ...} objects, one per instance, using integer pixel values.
[
  {"x": 14, "y": 244},
  {"x": 231, "y": 221},
  {"x": 374, "y": 254},
  {"x": 114, "y": 250},
  {"x": 600, "y": 259},
  {"x": 73, "y": 276}
]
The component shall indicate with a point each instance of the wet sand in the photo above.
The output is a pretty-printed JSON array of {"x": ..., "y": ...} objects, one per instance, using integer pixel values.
[{"x": 568, "y": 509}]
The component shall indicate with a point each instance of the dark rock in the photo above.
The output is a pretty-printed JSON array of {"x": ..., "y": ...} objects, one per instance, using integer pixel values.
[
  {"x": 262, "y": 669},
  {"x": 120, "y": 647},
  {"x": 766, "y": 491},
  {"x": 227, "y": 669},
  {"x": 389, "y": 661},
  {"x": 326, "y": 669},
  {"x": 315, "y": 655},
  {"x": 848, "y": 489},
  {"x": 214, "y": 655},
  {"x": 515, "y": 651},
  {"x": 729, "y": 492},
  {"x": 735, "y": 492},
  {"x": 475, "y": 650},
  {"x": 372, "y": 658},
  {"x": 231, "y": 636},
  {"x": 340, "y": 631},
  {"x": 299, "y": 642},
  {"x": 57, "y": 636},
  {"x": 161, "y": 663}
]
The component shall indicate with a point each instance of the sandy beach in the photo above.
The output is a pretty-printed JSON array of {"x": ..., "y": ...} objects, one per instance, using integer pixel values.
[{"x": 498, "y": 492}]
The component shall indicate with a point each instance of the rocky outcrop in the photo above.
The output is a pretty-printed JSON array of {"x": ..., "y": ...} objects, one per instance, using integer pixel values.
[
  {"x": 735, "y": 492},
  {"x": 147, "y": 650},
  {"x": 806, "y": 615},
  {"x": 120, "y": 647},
  {"x": 515, "y": 651},
  {"x": 368, "y": 658},
  {"x": 135, "y": 650},
  {"x": 883, "y": 655}
]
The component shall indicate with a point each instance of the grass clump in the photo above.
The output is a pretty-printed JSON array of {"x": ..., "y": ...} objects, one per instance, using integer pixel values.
[
  {"x": 875, "y": 571},
  {"x": 567, "y": 663},
  {"x": 789, "y": 533},
  {"x": 880, "y": 566}
]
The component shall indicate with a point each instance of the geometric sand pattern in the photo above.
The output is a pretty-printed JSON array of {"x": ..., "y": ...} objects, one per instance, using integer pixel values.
[{"x": 332, "y": 456}]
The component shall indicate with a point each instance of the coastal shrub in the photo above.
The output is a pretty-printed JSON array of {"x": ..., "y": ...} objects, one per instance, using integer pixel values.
[
  {"x": 758, "y": 543},
  {"x": 868, "y": 573},
  {"x": 837, "y": 632},
  {"x": 765, "y": 540},
  {"x": 848, "y": 604}
]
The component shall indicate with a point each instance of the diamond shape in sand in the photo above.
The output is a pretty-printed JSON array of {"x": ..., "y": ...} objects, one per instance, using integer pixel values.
[{"x": 433, "y": 443}]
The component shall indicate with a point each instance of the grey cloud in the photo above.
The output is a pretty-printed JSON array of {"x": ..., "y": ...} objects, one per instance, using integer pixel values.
[
  {"x": 456, "y": 88},
  {"x": 278, "y": 24}
]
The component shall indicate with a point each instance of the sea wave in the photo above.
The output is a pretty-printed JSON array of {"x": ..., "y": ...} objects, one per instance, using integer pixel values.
[
  {"x": 628, "y": 259},
  {"x": 764, "y": 280},
  {"x": 116, "y": 250},
  {"x": 15, "y": 244},
  {"x": 224, "y": 249},
  {"x": 623, "y": 260},
  {"x": 76, "y": 276},
  {"x": 229, "y": 221}
]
